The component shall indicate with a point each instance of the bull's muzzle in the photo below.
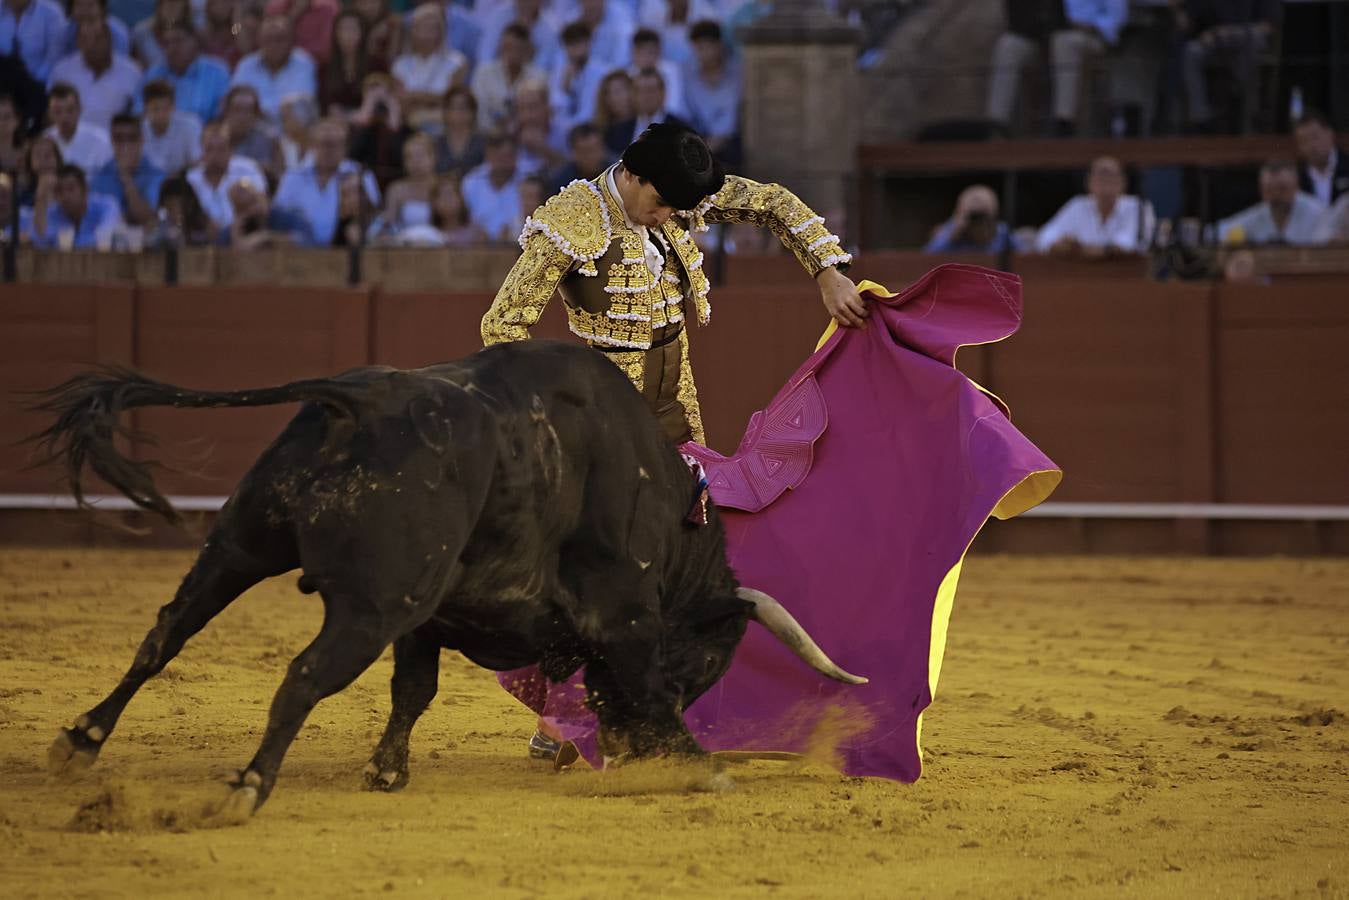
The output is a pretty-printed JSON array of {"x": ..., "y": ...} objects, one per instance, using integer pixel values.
[{"x": 772, "y": 615}]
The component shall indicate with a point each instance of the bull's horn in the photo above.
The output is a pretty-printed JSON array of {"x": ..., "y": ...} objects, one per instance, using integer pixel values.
[{"x": 772, "y": 615}]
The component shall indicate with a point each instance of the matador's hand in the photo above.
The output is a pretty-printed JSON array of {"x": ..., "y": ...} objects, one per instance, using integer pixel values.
[{"x": 841, "y": 298}]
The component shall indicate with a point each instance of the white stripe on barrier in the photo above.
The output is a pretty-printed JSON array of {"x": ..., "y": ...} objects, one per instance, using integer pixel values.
[{"x": 1286, "y": 512}]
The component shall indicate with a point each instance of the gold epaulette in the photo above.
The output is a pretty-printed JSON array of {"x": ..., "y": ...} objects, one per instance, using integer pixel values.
[{"x": 576, "y": 220}]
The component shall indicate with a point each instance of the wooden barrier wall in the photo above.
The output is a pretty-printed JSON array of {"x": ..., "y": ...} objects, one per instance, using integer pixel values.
[{"x": 1141, "y": 391}]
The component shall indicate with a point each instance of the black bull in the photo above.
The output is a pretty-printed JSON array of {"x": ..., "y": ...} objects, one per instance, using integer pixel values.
[{"x": 521, "y": 506}]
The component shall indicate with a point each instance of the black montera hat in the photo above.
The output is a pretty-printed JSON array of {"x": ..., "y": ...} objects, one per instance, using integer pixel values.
[{"x": 677, "y": 162}]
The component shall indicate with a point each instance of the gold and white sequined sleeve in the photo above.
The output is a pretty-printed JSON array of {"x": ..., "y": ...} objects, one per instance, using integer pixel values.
[
  {"x": 801, "y": 230},
  {"x": 526, "y": 290}
]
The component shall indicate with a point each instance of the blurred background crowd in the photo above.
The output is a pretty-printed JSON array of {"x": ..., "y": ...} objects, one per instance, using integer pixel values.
[{"x": 244, "y": 123}]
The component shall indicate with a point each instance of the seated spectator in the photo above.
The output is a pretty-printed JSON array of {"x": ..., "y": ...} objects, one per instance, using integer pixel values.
[
  {"x": 199, "y": 82},
  {"x": 614, "y": 106},
  {"x": 277, "y": 68},
  {"x": 540, "y": 146},
  {"x": 1284, "y": 214},
  {"x": 82, "y": 143},
  {"x": 217, "y": 38},
  {"x": 672, "y": 19},
  {"x": 611, "y": 29},
  {"x": 354, "y": 212},
  {"x": 130, "y": 178},
  {"x": 181, "y": 218},
  {"x": 377, "y": 143},
  {"x": 491, "y": 191},
  {"x": 1334, "y": 227},
  {"x": 383, "y": 32},
  {"x": 107, "y": 82},
  {"x": 538, "y": 27},
  {"x": 532, "y": 191},
  {"x": 461, "y": 145},
  {"x": 343, "y": 74},
  {"x": 1103, "y": 222},
  {"x": 35, "y": 31},
  {"x": 219, "y": 168},
  {"x": 1077, "y": 30},
  {"x": 712, "y": 93},
  {"x": 11, "y": 135},
  {"x": 311, "y": 192},
  {"x": 407, "y": 202},
  {"x": 449, "y": 215},
  {"x": 78, "y": 12},
  {"x": 646, "y": 54},
  {"x": 648, "y": 107},
  {"x": 28, "y": 94},
  {"x": 312, "y": 21},
  {"x": 462, "y": 25},
  {"x": 428, "y": 67},
  {"x": 147, "y": 38},
  {"x": 495, "y": 80},
  {"x": 7, "y": 201},
  {"x": 172, "y": 136},
  {"x": 298, "y": 114},
  {"x": 256, "y": 224},
  {"x": 40, "y": 163},
  {"x": 589, "y": 157},
  {"x": 1233, "y": 31},
  {"x": 574, "y": 82},
  {"x": 77, "y": 220},
  {"x": 974, "y": 227},
  {"x": 1322, "y": 170},
  {"x": 250, "y": 134}
]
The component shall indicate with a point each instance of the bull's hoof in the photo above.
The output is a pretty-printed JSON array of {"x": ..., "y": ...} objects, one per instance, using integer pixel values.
[
  {"x": 74, "y": 750},
  {"x": 386, "y": 780},
  {"x": 239, "y": 805}
]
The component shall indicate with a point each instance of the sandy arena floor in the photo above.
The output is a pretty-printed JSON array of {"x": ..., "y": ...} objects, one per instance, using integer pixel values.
[{"x": 1104, "y": 727}]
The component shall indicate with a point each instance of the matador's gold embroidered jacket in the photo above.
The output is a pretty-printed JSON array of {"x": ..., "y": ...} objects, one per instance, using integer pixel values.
[{"x": 579, "y": 242}]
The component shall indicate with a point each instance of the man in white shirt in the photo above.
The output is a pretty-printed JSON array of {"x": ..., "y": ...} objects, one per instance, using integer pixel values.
[
  {"x": 541, "y": 30},
  {"x": 312, "y": 193},
  {"x": 495, "y": 80},
  {"x": 1102, "y": 222},
  {"x": 107, "y": 82},
  {"x": 172, "y": 136},
  {"x": 491, "y": 191},
  {"x": 575, "y": 80},
  {"x": 1323, "y": 171},
  {"x": 1284, "y": 214},
  {"x": 277, "y": 67},
  {"x": 35, "y": 32},
  {"x": 81, "y": 143},
  {"x": 219, "y": 169},
  {"x": 646, "y": 54}
]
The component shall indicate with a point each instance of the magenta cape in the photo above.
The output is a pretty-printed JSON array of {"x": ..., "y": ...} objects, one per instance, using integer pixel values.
[{"x": 852, "y": 499}]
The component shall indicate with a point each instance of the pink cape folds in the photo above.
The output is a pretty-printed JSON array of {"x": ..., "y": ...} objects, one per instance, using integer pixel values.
[{"x": 852, "y": 499}]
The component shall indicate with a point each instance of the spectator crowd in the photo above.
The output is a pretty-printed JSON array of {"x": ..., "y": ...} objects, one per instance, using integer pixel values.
[{"x": 124, "y": 123}]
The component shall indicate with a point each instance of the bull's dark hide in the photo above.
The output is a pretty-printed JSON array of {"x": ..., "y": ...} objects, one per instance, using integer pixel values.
[{"x": 521, "y": 506}]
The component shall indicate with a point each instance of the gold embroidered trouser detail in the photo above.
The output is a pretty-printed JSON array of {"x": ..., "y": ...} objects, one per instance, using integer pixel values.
[{"x": 688, "y": 391}]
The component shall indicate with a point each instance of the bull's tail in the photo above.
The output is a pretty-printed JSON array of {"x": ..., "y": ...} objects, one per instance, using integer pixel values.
[{"x": 88, "y": 408}]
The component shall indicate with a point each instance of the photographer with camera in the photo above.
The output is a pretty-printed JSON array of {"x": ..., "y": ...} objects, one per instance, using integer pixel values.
[{"x": 974, "y": 227}]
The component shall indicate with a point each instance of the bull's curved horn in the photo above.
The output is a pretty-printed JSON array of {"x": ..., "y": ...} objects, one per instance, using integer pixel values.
[{"x": 772, "y": 615}]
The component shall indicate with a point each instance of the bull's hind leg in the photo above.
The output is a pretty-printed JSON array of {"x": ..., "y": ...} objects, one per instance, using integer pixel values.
[
  {"x": 416, "y": 673},
  {"x": 215, "y": 580},
  {"x": 355, "y": 632}
]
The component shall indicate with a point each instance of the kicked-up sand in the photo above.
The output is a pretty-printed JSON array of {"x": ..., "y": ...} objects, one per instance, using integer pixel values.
[{"x": 1103, "y": 727}]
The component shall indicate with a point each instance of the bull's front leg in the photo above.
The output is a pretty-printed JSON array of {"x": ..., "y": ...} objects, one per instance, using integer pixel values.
[{"x": 640, "y": 714}]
